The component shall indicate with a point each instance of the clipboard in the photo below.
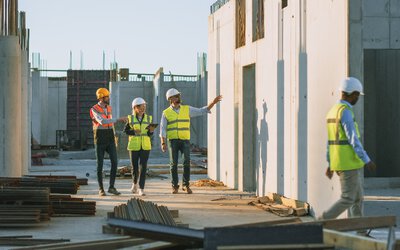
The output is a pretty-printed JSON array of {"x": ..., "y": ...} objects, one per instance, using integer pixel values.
[{"x": 154, "y": 125}]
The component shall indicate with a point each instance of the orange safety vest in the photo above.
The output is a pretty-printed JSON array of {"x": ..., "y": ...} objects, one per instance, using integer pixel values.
[{"x": 100, "y": 111}]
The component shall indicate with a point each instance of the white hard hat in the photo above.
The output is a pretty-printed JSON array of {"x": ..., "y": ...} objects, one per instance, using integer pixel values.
[
  {"x": 351, "y": 84},
  {"x": 172, "y": 92},
  {"x": 138, "y": 101}
]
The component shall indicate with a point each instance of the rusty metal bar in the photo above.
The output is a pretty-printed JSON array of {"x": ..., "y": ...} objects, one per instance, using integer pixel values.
[
  {"x": 1, "y": 17},
  {"x": 12, "y": 18}
]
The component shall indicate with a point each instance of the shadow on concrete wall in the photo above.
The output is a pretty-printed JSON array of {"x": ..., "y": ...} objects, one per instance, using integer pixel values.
[{"x": 262, "y": 139}]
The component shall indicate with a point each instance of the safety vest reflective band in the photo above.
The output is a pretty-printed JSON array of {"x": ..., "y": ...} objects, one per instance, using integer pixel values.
[
  {"x": 341, "y": 153},
  {"x": 106, "y": 115},
  {"x": 178, "y": 125},
  {"x": 142, "y": 141}
]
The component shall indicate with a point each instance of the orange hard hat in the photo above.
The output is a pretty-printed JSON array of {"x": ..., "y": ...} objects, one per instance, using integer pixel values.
[{"x": 102, "y": 92}]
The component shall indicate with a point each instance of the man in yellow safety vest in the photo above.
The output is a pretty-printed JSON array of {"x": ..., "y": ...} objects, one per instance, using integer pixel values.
[
  {"x": 346, "y": 155},
  {"x": 175, "y": 125}
]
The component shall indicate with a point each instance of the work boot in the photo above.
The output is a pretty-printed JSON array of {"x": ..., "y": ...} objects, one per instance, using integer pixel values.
[
  {"x": 141, "y": 192},
  {"x": 134, "y": 188},
  {"x": 187, "y": 189},
  {"x": 101, "y": 192},
  {"x": 113, "y": 190},
  {"x": 175, "y": 189}
]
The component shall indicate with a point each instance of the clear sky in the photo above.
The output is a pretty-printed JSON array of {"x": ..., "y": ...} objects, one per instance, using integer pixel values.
[{"x": 145, "y": 35}]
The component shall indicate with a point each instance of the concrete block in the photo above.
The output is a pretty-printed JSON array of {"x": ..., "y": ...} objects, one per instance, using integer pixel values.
[
  {"x": 373, "y": 8},
  {"x": 355, "y": 10},
  {"x": 395, "y": 8},
  {"x": 395, "y": 33},
  {"x": 376, "y": 33}
]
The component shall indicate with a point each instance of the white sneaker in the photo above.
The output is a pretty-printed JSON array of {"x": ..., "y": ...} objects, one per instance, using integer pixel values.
[
  {"x": 134, "y": 188},
  {"x": 141, "y": 192}
]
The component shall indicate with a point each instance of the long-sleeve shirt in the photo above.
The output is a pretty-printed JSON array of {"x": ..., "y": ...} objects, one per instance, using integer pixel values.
[
  {"x": 100, "y": 119},
  {"x": 193, "y": 112},
  {"x": 351, "y": 134}
]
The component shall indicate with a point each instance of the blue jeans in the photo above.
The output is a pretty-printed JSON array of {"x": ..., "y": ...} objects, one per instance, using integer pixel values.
[
  {"x": 143, "y": 156},
  {"x": 112, "y": 152},
  {"x": 175, "y": 146}
]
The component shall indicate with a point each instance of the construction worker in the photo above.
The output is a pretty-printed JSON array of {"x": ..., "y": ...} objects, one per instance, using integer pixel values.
[
  {"x": 346, "y": 155},
  {"x": 139, "y": 128},
  {"x": 104, "y": 140},
  {"x": 175, "y": 125}
]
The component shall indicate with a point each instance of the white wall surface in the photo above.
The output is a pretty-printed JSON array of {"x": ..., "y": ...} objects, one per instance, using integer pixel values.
[{"x": 299, "y": 65}]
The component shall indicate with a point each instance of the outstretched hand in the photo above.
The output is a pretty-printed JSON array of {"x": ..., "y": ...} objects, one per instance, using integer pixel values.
[{"x": 217, "y": 99}]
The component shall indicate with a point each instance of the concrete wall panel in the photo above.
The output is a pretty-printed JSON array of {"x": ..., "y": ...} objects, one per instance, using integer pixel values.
[
  {"x": 375, "y": 8},
  {"x": 394, "y": 33},
  {"x": 57, "y": 110},
  {"x": 376, "y": 32}
]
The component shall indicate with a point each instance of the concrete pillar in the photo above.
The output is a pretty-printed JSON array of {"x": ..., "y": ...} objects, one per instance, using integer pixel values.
[
  {"x": 158, "y": 104},
  {"x": 35, "y": 107},
  {"x": 10, "y": 106},
  {"x": 25, "y": 133}
]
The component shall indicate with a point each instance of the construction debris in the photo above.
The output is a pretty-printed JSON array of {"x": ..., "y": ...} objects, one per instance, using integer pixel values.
[
  {"x": 207, "y": 183},
  {"x": 62, "y": 186},
  {"x": 67, "y": 205},
  {"x": 140, "y": 210},
  {"x": 281, "y": 205}
]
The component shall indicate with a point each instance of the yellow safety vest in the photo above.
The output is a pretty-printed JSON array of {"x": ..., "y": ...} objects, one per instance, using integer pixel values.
[
  {"x": 178, "y": 125},
  {"x": 341, "y": 153},
  {"x": 142, "y": 141}
]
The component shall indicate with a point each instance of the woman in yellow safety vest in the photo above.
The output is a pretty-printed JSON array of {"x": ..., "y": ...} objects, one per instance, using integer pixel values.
[{"x": 139, "y": 144}]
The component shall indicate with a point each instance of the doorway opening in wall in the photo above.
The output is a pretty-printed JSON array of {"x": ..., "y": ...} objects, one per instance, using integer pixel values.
[
  {"x": 249, "y": 125},
  {"x": 382, "y": 110}
]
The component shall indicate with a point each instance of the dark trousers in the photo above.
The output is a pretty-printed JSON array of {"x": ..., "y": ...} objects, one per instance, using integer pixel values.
[
  {"x": 175, "y": 146},
  {"x": 112, "y": 152},
  {"x": 142, "y": 156}
]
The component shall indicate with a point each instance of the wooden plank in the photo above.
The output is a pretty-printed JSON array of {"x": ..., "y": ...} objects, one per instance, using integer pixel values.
[
  {"x": 351, "y": 241},
  {"x": 270, "y": 223},
  {"x": 284, "y": 234},
  {"x": 114, "y": 243},
  {"x": 28, "y": 241},
  {"x": 353, "y": 224},
  {"x": 280, "y": 246}
]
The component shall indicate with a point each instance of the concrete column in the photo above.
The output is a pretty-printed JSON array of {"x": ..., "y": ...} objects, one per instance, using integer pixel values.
[
  {"x": 36, "y": 107},
  {"x": 10, "y": 106},
  {"x": 158, "y": 102},
  {"x": 29, "y": 116},
  {"x": 25, "y": 133}
]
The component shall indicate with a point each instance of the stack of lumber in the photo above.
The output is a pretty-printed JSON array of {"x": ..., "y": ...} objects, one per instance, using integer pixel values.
[
  {"x": 62, "y": 186},
  {"x": 140, "y": 210},
  {"x": 23, "y": 206},
  {"x": 67, "y": 205},
  {"x": 281, "y": 205},
  {"x": 80, "y": 181}
]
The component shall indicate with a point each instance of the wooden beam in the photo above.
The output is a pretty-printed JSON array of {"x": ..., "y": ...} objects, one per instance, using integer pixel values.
[
  {"x": 353, "y": 224},
  {"x": 351, "y": 241},
  {"x": 281, "y": 246}
]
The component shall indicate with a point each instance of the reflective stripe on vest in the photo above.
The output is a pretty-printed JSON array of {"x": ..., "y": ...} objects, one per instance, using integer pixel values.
[
  {"x": 142, "y": 141},
  {"x": 103, "y": 114},
  {"x": 341, "y": 153},
  {"x": 178, "y": 125}
]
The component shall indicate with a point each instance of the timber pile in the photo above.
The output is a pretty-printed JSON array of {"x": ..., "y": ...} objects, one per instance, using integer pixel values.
[
  {"x": 207, "y": 183},
  {"x": 67, "y": 205},
  {"x": 23, "y": 206},
  {"x": 140, "y": 210},
  {"x": 80, "y": 181},
  {"x": 62, "y": 186},
  {"x": 281, "y": 205}
]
